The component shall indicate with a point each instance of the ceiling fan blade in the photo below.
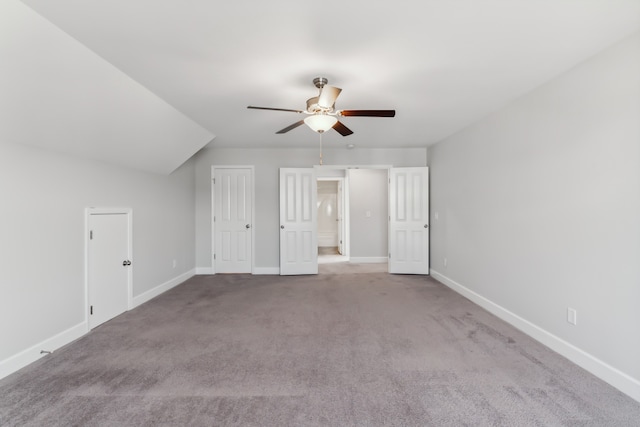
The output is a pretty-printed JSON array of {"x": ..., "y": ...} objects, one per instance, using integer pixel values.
[
  {"x": 275, "y": 109},
  {"x": 342, "y": 129},
  {"x": 367, "y": 113},
  {"x": 328, "y": 96},
  {"x": 293, "y": 126}
]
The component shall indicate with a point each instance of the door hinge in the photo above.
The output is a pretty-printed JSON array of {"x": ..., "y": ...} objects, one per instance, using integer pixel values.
[
  {"x": 214, "y": 256},
  {"x": 91, "y": 310},
  {"x": 214, "y": 181},
  {"x": 389, "y": 256},
  {"x": 91, "y": 235}
]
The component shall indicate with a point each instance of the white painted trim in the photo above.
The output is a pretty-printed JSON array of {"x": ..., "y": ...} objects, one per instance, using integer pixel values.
[
  {"x": 623, "y": 382},
  {"x": 31, "y": 354},
  {"x": 368, "y": 260},
  {"x": 152, "y": 293},
  {"x": 266, "y": 270},
  {"x": 253, "y": 213},
  {"x": 18, "y": 361},
  {"x": 347, "y": 167},
  {"x": 256, "y": 270}
]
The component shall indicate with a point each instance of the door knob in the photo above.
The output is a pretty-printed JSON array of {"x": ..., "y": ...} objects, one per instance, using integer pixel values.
[
  {"x": 126, "y": 262},
  {"x": 282, "y": 226},
  {"x": 426, "y": 226},
  {"x": 247, "y": 226}
]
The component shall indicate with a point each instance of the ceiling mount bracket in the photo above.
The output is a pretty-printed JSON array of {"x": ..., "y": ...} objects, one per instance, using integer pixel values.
[{"x": 320, "y": 82}]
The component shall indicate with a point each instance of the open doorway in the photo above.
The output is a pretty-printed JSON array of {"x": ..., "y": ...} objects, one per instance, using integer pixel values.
[
  {"x": 331, "y": 225},
  {"x": 352, "y": 214},
  {"x": 385, "y": 217},
  {"x": 368, "y": 215}
]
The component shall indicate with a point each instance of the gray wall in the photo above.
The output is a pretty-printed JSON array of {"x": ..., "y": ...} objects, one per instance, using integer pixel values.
[
  {"x": 267, "y": 163},
  {"x": 368, "y": 191},
  {"x": 539, "y": 208},
  {"x": 44, "y": 195}
]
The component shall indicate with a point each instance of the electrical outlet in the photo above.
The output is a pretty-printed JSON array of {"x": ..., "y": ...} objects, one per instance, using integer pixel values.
[
  {"x": 436, "y": 215},
  {"x": 174, "y": 263},
  {"x": 572, "y": 316},
  {"x": 445, "y": 262}
]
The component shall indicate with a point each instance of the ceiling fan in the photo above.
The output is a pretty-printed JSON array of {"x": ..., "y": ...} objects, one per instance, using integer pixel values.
[{"x": 321, "y": 112}]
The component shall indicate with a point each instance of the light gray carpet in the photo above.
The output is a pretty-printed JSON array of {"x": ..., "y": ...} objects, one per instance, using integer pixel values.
[{"x": 366, "y": 349}]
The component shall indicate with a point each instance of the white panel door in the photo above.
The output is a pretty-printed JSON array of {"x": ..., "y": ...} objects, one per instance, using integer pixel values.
[
  {"x": 298, "y": 221},
  {"x": 409, "y": 220},
  {"x": 232, "y": 220},
  {"x": 109, "y": 262}
]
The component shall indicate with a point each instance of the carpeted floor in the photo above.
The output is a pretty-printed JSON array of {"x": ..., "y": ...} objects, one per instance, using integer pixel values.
[{"x": 365, "y": 349}]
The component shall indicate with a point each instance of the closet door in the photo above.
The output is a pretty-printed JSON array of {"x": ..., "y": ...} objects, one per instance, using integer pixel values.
[
  {"x": 233, "y": 235},
  {"x": 409, "y": 220},
  {"x": 109, "y": 265}
]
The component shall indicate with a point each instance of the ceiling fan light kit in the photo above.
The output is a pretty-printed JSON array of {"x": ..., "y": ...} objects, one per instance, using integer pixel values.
[
  {"x": 322, "y": 115},
  {"x": 320, "y": 122}
]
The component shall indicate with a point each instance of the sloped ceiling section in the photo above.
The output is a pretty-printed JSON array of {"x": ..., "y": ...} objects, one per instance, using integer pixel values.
[
  {"x": 57, "y": 94},
  {"x": 441, "y": 64}
]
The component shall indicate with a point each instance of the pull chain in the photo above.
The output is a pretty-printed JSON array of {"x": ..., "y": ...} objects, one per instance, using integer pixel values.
[{"x": 320, "y": 147}]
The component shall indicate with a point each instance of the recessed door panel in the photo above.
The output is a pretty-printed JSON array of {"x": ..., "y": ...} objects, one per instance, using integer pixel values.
[
  {"x": 298, "y": 222},
  {"x": 232, "y": 220},
  {"x": 409, "y": 220}
]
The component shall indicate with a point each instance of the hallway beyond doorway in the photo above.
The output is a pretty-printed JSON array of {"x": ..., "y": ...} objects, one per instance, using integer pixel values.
[
  {"x": 331, "y": 262},
  {"x": 330, "y": 255}
]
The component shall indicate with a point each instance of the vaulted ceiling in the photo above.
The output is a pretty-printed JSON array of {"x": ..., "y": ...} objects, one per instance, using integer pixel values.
[{"x": 165, "y": 76}]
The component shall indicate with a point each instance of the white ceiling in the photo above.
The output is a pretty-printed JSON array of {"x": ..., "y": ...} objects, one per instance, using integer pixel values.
[
  {"x": 441, "y": 64},
  {"x": 58, "y": 95}
]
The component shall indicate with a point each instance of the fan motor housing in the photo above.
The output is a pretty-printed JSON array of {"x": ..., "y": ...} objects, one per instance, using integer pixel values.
[{"x": 312, "y": 104}]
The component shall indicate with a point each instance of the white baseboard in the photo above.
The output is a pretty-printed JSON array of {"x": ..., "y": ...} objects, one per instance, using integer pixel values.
[
  {"x": 368, "y": 260},
  {"x": 30, "y": 355},
  {"x": 623, "y": 382},
  {"x": 256, "y": 270},
  {"x": 152, "y": 293},
  {"x": 266, "y": 270}
]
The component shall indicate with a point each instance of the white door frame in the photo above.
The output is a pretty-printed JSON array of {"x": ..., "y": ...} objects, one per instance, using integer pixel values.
[
  {"x": 107, "y": 211},
  {"x": 253, "y": 213}
]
